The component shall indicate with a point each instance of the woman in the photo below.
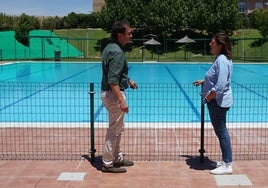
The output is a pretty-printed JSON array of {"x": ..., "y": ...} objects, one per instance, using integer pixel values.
[{"x": 217, "y": 93}]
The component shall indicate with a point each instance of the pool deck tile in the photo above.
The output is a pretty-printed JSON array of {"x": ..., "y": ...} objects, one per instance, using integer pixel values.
[{"x": 154, "y": 174}]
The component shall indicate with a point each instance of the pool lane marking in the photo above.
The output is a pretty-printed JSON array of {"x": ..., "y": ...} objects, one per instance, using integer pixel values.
[
  {"x": 97, "y": 113},
  {"x": 250, "y": 90},
  {"x": 45, "y": 88},
  {"x": 250, "y": 71},
  {"x": 194, "y": 109}
]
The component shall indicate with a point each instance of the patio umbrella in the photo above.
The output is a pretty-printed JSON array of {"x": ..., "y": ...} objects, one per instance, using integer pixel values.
[
  {"x": 185, "y": 40},
  {"x": 152, "y": 42}
]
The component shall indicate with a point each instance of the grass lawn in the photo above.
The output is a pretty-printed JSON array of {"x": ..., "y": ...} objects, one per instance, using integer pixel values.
[
  {"x": 85, "y": 40},
  {"x": 248, "y": 46}
]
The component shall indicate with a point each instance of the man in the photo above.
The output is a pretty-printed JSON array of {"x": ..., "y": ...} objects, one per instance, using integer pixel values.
[{"x": 114, "y": 82}]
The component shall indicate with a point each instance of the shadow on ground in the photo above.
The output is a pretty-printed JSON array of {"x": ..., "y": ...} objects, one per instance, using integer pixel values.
[
  {"x": 96, "y": 162},
  {"x": 194, "y": 162}
]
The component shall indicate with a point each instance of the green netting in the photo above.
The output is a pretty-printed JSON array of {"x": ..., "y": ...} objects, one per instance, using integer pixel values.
[
  {"x": 9, "y": 47},
  {"x": 43, "y": 45}
]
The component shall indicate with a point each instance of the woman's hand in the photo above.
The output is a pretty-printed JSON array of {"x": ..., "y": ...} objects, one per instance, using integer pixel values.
[
  {"x": 210, "y": 96},
  {"x": 198, "y": 82}
]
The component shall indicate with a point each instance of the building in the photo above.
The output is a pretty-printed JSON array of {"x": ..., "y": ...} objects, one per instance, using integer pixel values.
[
  {"x": 97, "y": 4},
  {"x": 246, "y": 6}
]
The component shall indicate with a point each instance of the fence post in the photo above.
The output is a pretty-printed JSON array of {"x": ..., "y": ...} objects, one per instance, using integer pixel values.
[
  {"x": 92, "y": 135},
  {"x": 202, "y": 150}
]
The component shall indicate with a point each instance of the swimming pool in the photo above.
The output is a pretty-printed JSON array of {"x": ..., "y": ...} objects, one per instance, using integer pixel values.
[{"x": 58, "y": 92}]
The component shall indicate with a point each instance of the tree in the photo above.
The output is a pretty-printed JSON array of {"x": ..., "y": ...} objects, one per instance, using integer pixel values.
[
  {"x": 259, "y": 20},
  {"x": 6, "y": 22},
  {"x": 24, "y": 25},
  {"x": 213, "y": 16},
  {"x": 72, "y": 20},
  {"x": 149, "y": 16},
  {"x": 87, "y": 20},
  {"x": 171, "y": 16},
  {"x": 49, "y": 23}
]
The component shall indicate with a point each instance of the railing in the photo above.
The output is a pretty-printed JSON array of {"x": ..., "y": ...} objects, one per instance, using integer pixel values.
[
  {"x": 89, "y": 49},
  {"x": 52, "y": 121}
]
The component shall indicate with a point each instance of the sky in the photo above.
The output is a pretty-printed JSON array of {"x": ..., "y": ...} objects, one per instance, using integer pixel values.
[{"x": 45, "y": 7}]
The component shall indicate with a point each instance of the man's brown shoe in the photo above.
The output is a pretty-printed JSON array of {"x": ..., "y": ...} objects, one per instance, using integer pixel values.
[
  {"x": 113, "y": 170},
  {"x": 124, "y": 163}
]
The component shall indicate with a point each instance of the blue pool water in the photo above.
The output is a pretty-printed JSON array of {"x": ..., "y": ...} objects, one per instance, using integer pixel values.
[
  {"x": 142, "y": 73},
  {"x": 33, "y": 79}
]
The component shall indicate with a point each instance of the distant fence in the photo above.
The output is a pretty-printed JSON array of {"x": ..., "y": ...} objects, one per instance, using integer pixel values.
[
  {"x": 43, "y": 45},
  {"x": 51, "y": 47},
  {"x": 23, "y": 136}
]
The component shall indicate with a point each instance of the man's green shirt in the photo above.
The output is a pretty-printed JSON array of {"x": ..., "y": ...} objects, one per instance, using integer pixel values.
[{"x": 114, "y": 67}]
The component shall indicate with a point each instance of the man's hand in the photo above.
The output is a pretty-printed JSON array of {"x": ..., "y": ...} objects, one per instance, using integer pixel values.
[
  {"x": 116, "y": 91},
  {"x": 124, "y": 106},
  {"x": 132, "y": 84}
]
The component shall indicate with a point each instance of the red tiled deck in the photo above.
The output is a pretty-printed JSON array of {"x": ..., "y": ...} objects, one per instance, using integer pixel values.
[
  {"x": 187, "y": 172},
  {"x": 184, "y": 174}
]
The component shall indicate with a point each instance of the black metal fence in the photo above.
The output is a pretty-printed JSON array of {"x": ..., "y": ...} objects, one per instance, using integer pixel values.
[
  {"x": 57, "y": 126},
  {"x": 89, "y": 49}
]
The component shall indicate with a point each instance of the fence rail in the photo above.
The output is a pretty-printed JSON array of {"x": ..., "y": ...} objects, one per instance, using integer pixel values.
[
  {"x": 52, "y": 47},
  {"x": 48, "y": 121}
]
